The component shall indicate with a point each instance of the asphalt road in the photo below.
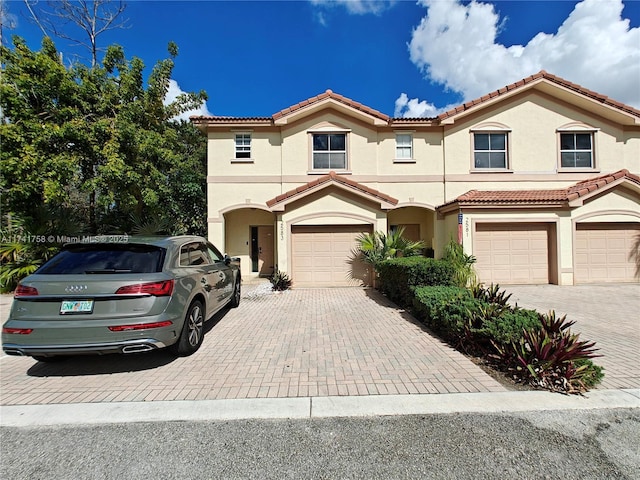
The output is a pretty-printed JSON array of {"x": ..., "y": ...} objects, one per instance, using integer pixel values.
[{"x": 584, "y": 444}]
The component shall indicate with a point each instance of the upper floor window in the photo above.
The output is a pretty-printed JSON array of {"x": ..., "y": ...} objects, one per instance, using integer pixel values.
[
  {"x": 576, "y": 150},
  {"x": 404, "y": 146},
  {"x": 329, "y": 151},
  {"x": 490, "y": 150},
  {"x": 243, "y": 145}
]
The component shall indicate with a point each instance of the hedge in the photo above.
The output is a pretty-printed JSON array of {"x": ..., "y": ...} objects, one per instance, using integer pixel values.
[
  {"x": 400, "y": 276},
  {"x": 459, "y": 317}
]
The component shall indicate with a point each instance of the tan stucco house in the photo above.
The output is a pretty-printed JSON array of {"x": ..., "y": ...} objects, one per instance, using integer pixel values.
[{"x": 538, "y": 180}]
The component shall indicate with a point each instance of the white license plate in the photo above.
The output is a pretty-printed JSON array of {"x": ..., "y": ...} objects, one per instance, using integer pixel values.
[{"x": 76, "y": 306}]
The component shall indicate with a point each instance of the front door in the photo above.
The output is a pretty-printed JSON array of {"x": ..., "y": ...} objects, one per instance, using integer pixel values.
[{"x": 262, "y": 245}]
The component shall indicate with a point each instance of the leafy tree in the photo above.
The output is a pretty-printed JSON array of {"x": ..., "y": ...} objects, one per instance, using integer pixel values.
[{"x": 97, "y": 145}]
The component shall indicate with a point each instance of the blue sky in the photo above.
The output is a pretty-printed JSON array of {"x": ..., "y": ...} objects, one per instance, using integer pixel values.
[{"x": 404, "y": 58}]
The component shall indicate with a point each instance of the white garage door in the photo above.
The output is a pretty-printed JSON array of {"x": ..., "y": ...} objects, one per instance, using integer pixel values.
[
  {"x": 512, "y": 253},
  {"x": 322, "y": 256},
  {"x": 602, "y": 252}
]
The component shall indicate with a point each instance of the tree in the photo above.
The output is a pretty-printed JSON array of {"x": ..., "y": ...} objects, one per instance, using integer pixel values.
[
  {"x": 96, "y": 146},
  {"x": 91, "y": 18},
  {"x": 39, "y": 103}
]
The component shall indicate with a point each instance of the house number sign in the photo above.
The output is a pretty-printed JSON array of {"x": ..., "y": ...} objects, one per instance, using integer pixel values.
[{"x": 281, "y": 231}]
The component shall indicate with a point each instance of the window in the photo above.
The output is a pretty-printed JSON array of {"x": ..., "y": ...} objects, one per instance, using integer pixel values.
[
  {"x": 194, "y": 254},
  {"x": 214, "y": 253},
  {"x": 404, "y": 146},
  {"x": 576, "y": 150},
  {"x": 79, "y": 258},
  {"x": 490, "y": 150},
  {"x": 243, "y": 145},
  {"x": 329, "y": 151}
]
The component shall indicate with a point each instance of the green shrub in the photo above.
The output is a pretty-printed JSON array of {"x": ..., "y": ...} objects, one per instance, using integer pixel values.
[
  {"x": 508, "y": 327},
  {"x": 280, "y": 281},
  {"x": 399, "y": 276},
  {"x": 587, "y": 372},
  {"x": 445, "y": 309},
  {"x": 552, "y": 357},
  {"x": 464, "y": 273},
  {"x": 491, "y": 294}
]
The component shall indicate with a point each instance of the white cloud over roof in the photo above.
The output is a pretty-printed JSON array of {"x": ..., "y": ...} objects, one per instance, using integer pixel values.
[
  {"x": 456, "y": 45},
  {"x": 172, "y": 94}
]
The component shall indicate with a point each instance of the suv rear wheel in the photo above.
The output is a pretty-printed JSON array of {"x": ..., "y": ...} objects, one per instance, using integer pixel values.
[{"x": 192, "y": 331}]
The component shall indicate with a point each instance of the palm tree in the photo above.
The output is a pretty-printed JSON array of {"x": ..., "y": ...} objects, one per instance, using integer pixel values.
[{"x": 378, "y": 246}]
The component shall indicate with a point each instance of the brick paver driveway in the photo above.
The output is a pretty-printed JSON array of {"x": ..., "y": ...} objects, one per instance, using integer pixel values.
[
  {"x": 308, "y": 342},
  {"x": 608, "y": 314}
]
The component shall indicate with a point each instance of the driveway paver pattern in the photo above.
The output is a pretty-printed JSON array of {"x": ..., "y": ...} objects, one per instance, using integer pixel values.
[
  {"x": 299, "y": 343},
  {"x": 606, "y": 314}
]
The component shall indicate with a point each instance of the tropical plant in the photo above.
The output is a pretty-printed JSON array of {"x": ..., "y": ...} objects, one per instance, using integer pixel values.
[
  {"x": 465, "y": 274},
  {"x": 491, "y": 294},
  {"x": 151, "y": 225},
  {"x": 552, "y": 357},
  {"x": 280, "y": 281},
  {"x": 378, "y": 246},
  {"x": 27, "y": 242}
]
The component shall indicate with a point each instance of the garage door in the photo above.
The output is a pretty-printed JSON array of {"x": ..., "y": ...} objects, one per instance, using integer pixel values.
[
  {"x": 322, "y": 256},
  {"x": 512, "y": 253},
  {"x": 602, "y": 252}
]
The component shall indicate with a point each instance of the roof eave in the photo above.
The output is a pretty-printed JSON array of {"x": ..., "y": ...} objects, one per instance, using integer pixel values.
[
  {"x": 314, "y": 107},
  {"x": 456, "y": 206},
  {"x": 282, "y": 204},
  {"x": 204, "y": 123}
]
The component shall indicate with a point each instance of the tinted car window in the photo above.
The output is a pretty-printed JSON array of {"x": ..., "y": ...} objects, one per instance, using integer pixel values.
[
  {"x": 214, "y": 253},
  {"x": 194, "y": 254},
  {"x": 98, "y": 258}
]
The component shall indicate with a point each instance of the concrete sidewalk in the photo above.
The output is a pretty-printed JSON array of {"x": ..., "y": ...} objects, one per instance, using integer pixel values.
[{"x": 316, "y": 407}]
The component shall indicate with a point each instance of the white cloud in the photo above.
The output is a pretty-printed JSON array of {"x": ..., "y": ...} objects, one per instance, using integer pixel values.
[
  {"x": 455, "y": 45},
  {"x": 414, "y": 108},
  {"x": 358, "y": 7},
  {"x": 172, "y": 94}
]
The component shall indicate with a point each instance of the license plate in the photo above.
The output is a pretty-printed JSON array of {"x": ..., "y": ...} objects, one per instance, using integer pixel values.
[{"x": 76, "y": 306}]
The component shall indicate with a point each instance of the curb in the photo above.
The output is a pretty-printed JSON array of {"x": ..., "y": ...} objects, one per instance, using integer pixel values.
[{"x": 310, "y": 407}]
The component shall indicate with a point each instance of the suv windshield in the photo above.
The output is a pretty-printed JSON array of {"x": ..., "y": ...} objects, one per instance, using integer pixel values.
[{"x": 104, "y": 258}]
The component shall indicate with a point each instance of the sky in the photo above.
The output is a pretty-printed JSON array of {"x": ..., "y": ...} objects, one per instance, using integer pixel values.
[{"x": 403, "y": 58}]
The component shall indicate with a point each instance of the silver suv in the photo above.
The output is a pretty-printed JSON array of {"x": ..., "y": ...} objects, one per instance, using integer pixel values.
[{"x": 121, "y": 297}]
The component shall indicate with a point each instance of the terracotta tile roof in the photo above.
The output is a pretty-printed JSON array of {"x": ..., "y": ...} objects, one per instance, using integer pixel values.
[
  {"x": 221, "y": 119},
  {"x": 332, "y": 177},
  {"x": 532, "y": 78},
  {"x": 542, "y": 75},
  {"x": 542, "y": 197},
  {"x": 335, "y": 96},
  {"x": 585, "y": 187}
]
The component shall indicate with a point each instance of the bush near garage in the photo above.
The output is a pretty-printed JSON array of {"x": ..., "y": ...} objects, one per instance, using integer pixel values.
[
  {"x": 552, "y": 357},
  {"x": 280, "y": 281},
  {"x": 472, "y": 324},
  {"x": 399, "y": 276},
  {"x": 533, "y": 349}
]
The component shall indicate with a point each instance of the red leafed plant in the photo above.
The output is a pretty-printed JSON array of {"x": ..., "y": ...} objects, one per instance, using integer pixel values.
[{"x": 552, "y": 357}]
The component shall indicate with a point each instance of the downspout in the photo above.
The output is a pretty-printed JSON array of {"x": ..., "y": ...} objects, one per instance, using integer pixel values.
[{"x": 444, "y": 168}]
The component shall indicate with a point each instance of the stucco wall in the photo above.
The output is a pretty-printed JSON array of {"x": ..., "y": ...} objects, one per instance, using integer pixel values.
[{"x": 534, "y": 120}]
